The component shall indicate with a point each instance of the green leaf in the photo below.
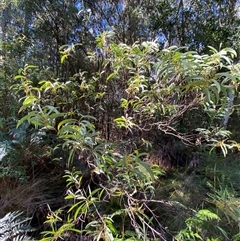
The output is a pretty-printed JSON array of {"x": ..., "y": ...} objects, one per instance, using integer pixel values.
[
  {"x": 65, "y": 56},
  {"x": 67, "y": 122},
  {"x": 208, "y": 95},
  {"x": 28, "y": 118},
  {"x": 195, "y": 77},
  {"x": 30, "y": 67},
  {"x": 112, "y": 75},
  {"x": 19, "y": 77},
  {"x": 205, "y": 214},
  {"x": 110, "y": 225},
  {"x": 148, "y": 170},
  {"x": 218, "y": 86},
  {"x": 29, "y": 100}
]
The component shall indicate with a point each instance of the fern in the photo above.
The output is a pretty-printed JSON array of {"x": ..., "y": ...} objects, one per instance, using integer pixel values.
[
  {"x": 199, "y": 225},
  {"x": 226, "y": 202},
  {"x": 14, "y": 228},
  {"x": 207, "y": 215}
]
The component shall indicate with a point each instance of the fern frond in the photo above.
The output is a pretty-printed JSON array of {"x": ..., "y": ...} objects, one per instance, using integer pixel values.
[
  {"x": 206, "y": 215},
  {"x": 14, "y": 227}
]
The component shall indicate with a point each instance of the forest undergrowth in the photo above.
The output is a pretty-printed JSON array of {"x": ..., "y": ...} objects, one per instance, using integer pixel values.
[{"x": 119, "y": 120}]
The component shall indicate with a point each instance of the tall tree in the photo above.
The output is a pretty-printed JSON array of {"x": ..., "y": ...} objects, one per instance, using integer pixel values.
[{"x": 197, "y": 24}]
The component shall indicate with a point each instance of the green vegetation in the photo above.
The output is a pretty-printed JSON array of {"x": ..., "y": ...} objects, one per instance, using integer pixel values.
[{"x": 118, "y": 120}]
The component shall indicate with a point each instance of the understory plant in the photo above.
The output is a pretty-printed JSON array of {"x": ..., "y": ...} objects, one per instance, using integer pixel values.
[
  {"x": 119, "y": 186},
  {"x": 15, "y": 227},
  {"x": 109, "y": 210},
  {"x": 137, "y": 95},
  {"x": 202, "y": 226}
]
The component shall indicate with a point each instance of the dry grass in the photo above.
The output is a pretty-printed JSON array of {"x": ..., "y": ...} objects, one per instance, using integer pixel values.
[
  {"x": 163, "y": 160},
  {"x": 27, "y": 197}
]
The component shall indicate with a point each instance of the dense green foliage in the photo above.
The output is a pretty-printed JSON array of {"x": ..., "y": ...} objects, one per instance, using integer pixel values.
[{"x": 119, "y": 120}]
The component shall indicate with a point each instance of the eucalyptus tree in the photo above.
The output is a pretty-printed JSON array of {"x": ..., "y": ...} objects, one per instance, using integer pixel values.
[
  {"x": 48, "y": 25},
  {"x": 52, "y": 24},
  {"x": 197, "y": 24},
  {"x": 13, "y": 46},
  {"x": 128, "y": 19}
]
